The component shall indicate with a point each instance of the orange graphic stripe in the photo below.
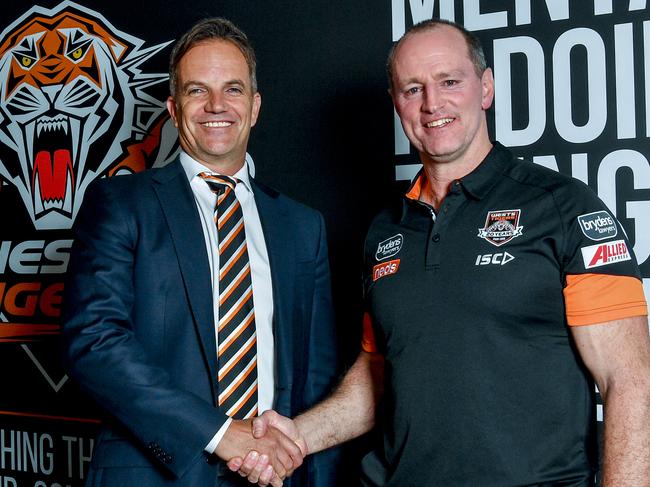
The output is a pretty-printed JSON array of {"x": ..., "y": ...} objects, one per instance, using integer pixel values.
[
  {"x": 50, "y": 416},
  {"x": 225, "y": 345},
  {"x": 223, "y": 373},
  {"x": 11, "y": 332},
  {"x": 238, "y": 383},
  {"x": 244, "y": 401}
]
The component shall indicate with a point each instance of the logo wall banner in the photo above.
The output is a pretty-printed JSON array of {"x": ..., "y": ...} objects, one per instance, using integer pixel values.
[{"x": 75, "y": 105}]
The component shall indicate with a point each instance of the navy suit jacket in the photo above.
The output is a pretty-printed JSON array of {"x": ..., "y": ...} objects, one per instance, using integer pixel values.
[{"x": 138, "y": 327}]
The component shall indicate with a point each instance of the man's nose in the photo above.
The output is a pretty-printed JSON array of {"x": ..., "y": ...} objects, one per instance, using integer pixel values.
[
  {"x": 215, "y": 102},
  {"x": 432, "y": 99}
]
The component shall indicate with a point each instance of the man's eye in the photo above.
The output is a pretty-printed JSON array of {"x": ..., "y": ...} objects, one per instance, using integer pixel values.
[
  {"x": 450, "y": 82},
  {"x": 235, "y": 90},
  {"x": 413, "y": 91},
  {"x": 194, "y": 91}
]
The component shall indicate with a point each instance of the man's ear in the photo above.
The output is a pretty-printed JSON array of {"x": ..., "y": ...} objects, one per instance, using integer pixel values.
[
  {"x": 487, "y": 86},
  {"x": 255, "y": 110},
  {"x": 171, "y": 108}
]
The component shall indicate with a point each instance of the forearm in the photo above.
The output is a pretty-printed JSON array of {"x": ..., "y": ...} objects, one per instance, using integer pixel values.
[
  {"x": 626, "y": 456},
  {"x": 617, "y": 353},
  {"x": 349, "y": 412}
]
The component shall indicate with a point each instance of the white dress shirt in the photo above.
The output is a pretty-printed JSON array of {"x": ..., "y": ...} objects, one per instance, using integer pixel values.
[{"x": 260, "y": 273}]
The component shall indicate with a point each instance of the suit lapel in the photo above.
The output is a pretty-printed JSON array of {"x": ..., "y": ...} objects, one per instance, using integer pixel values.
[
  {"x": 279, "y": 245},
  {"x": 179, "y": 207}
]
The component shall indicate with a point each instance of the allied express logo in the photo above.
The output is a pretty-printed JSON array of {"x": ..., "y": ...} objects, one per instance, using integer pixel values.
[
  {"x": 501, "y": 226},
  {"x": 605, "y": 254},
  {"x": 74, "y": 106}
]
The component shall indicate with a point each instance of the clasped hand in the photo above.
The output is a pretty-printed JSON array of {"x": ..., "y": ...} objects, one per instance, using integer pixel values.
[{"x": 276, "y": 449}]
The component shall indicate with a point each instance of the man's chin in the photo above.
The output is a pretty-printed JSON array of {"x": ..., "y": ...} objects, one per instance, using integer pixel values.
[{"x": 440, "y": 155}]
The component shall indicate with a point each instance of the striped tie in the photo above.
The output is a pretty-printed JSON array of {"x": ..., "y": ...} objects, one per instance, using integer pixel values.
[{"x": 237, "y": 350}]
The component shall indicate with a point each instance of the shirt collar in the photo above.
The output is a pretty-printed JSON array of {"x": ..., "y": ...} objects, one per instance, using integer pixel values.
[
  {"x": 479, "y": 182},
  {"x": 193, "y": 168}
]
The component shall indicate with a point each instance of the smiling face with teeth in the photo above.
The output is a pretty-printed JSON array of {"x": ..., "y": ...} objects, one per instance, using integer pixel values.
[
  {"x": 440, "y": 98},
  {"x": 215, "y": 107}
]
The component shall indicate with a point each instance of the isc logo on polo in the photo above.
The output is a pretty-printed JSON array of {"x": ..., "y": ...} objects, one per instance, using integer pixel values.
[
  {"x": 385, "y": 269},
  {"x": 500, "y": 258}
]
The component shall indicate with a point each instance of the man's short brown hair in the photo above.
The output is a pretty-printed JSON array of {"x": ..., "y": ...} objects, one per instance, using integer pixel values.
[
  {"x": 216, "y": 28},
  {"x": 474, "y": 46}
]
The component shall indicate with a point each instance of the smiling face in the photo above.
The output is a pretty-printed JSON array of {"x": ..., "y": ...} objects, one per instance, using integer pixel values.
[
  {"x": 440, "y": 98},
  {"x": 215, "y": 107}
]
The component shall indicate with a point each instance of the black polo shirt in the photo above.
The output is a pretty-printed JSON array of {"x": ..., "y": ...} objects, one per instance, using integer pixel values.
[{"x": 470, "y": 307}]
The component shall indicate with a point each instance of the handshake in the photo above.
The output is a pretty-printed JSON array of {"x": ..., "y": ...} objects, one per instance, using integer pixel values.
[
  {"x": 270, "y": 447},
  {"x": 274, "y": 451}
]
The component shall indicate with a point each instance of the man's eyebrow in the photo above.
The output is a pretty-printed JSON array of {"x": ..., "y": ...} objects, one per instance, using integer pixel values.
[
  {"x": 191, "y": 83},
  {"x": 236, "y": 81},
  {"x": 454, "y": 73}
]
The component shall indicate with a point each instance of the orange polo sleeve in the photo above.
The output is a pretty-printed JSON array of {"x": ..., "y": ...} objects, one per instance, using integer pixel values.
[
  {"x": 597, "y": 298},
  {"x": 368, "y": 343}
]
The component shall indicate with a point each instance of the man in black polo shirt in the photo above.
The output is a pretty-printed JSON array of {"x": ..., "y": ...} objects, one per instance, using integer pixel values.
[{"x": 497, "y": 292}]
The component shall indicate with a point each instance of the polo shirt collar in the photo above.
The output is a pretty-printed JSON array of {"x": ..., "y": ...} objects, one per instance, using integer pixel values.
[
  {"x": 487, "y": 174},
  {"x": 479, "y": 182}
]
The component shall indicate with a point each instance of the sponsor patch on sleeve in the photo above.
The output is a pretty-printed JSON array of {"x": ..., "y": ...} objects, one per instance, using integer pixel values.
[
  {"x": 605, "y": 254},
  {"x": 389, "y": 247},
  {"x": 385, "y": 269},
  {"x": 598, "y": 225}
]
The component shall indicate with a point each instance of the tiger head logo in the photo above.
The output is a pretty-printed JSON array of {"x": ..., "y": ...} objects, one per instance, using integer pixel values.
[{"x": 74, "y": 107}]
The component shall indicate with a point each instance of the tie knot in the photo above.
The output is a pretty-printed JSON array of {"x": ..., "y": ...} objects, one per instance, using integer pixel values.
[{"x": 217, "y": 182}]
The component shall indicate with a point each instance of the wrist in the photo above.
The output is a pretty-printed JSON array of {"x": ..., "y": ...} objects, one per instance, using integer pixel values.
[
  {"x": 301, "y": 440},
  {"x": 233, "y": 440}
]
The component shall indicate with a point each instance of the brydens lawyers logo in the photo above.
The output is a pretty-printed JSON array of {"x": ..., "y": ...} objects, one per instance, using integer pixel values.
[
  {"x": 604, "y": 254},
  {"x": 598, "y": 225},
  {"x": 389, "y": 247},
  {"x": 501, "y": 226}
]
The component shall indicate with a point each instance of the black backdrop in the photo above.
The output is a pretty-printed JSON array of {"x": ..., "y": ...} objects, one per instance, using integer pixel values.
[{"x": 573, "y": 92}]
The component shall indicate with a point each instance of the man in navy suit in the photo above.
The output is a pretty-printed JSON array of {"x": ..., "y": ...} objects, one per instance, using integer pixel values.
[{"x": 143, "y": 295}]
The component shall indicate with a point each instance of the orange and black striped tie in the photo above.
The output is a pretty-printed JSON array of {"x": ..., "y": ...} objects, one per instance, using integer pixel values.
[{"x": 237, "y": 350}]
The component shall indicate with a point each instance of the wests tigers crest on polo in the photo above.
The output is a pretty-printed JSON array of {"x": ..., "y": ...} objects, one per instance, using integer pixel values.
[{"x": 73, "y": 107}]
